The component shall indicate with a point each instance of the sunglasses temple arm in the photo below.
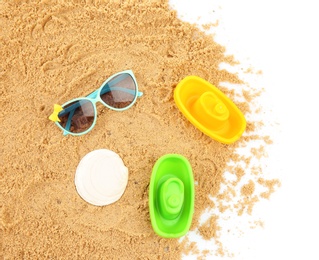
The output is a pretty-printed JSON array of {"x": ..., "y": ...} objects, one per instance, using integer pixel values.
[
  {"x": 110, "y": 88},
  {"x": 68, "y": 123},
  {"x": 77, "y": 104},
  {"x": 93, "y": 95}
]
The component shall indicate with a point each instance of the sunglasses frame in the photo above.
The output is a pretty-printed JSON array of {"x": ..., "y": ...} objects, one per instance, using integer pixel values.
[{"x": 95, "y": 97}]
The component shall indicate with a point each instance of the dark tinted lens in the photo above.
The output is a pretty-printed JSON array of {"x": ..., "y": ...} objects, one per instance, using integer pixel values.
[
  {"x": 77, "y": 116},
  {"x": 119, "y": 92}
]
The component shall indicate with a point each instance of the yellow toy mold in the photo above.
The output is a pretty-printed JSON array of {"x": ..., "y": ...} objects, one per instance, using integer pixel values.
[{"x": 208, "y": 109}]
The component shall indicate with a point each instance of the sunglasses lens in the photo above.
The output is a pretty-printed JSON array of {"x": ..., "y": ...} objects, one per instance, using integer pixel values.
[
  {"x": 77, "y": 117},
  {"x": 120, "y": 91}
]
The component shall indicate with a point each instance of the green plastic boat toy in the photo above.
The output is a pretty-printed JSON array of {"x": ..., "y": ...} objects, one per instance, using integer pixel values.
[{"x": 171, "y": 196}]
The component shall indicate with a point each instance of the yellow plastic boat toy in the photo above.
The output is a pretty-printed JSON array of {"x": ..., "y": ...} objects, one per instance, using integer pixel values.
[{"x": 208, "y": 109}]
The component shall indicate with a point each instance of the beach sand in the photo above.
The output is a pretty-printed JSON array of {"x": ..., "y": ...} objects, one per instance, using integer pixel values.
[{"x": 54, "y": 52}]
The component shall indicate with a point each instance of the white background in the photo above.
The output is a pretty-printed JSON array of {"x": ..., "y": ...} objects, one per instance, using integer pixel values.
[{"x": 281, "y": 39}]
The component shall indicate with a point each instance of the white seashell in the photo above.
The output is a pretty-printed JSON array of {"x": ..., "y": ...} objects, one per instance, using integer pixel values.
[{"x": 101, "y": 177}]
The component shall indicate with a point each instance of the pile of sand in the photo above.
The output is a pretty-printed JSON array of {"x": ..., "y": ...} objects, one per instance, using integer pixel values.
[{"x": 53, "y": 52}]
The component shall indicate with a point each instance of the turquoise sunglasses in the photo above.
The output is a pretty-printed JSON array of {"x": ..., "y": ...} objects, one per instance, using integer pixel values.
[{"x": 78, "y": 116}]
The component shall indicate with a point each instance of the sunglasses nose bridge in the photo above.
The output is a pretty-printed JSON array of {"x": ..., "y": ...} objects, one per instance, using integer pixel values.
[{"x": 95, "y": 100}]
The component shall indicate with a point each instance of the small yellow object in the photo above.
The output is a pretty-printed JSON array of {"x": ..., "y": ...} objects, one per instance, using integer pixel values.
[
  {"x": 55, "y": 115},
  {"x": 208, "y": 109}
]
